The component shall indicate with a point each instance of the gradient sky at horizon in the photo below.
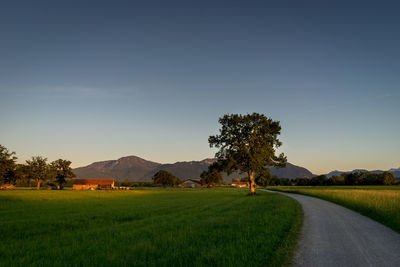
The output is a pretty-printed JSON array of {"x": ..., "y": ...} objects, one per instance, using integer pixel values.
[{"x": 98, "y": 80}]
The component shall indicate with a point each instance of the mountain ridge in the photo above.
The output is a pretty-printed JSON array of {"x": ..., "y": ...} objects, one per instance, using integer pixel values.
[
  {"x": 395, "y": 171},
  {"x": 134, "y": 168}
]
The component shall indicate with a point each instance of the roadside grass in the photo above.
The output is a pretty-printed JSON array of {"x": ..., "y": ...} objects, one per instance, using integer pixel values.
[
  {"x": 381, "y": 203},
  {"x": 149, "y": 227}
]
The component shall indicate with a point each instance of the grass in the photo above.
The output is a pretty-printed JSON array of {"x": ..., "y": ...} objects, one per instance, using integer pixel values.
[
  {"x": 150, "y": 227},
  {"x": 381, "y": 203}
]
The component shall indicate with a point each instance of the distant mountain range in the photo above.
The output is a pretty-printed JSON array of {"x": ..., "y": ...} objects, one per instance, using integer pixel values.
[
  {"x": 137, "y": 169},
  {"x": 396, "y": 172}
]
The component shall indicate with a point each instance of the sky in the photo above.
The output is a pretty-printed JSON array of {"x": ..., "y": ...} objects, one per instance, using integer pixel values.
[{"x": 98, "y": 80}]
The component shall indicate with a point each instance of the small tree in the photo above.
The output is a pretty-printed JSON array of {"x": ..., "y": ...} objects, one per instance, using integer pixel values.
[
  {"x": 264, "y": 177},
  {"x": 388, "y": 178},
  {"x": 7, "y": 165},
  {"x": 212, "y": 176},
  {"x": 61, "y": 169},
  {"x": 38, "y": 170},
  {"x": 248, "y": 143},
  {"x": 126, "y": 182},
  {"x": 244, "y": 180},
  {"x": 165, "y": 178}
]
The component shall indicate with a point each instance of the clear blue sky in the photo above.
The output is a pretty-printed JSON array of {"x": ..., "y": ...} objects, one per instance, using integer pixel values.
[{"x": 97, "y": 80}]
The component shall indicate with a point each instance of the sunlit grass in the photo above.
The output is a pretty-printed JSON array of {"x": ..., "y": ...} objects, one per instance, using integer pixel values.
[
  {"x": 381, "y": 203},
  {"x": 151, "y": 227}
]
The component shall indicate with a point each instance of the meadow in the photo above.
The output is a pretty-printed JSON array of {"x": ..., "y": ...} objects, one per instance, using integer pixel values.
[
  {"x": 381, "y": 203},
  {"x": 149, "y": 227}
]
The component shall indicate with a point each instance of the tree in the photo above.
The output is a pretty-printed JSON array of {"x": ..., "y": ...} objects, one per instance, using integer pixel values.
[
  {"x": 302, "y": 181},
  {"x": 336, "y": 180},
  {"x": 212, "y": 176},
  {"x": 38, "y": 170},
  {"x": 7, "y": 165},
  {"x": 388, "y": 178},
  {"x": 126, "y": 182},
  {"x": 264, "y": 178},
  {"x": 319, "y": 180},
  {"x": 275, "y": 180},
  {"x": 12, "y": 176},
  {"x": 244, "y": 180},
  {"x": 351, "y": 178},
  {"x": 165, "y": 178},
  {"x": 61, "y": 169},
  {"x": 21, "y": 175},
  {"x": 285, "y": 182},
  {"x": 248, "y": 143}
]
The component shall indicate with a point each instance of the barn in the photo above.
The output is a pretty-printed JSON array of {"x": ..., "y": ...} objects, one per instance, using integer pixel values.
[
  {"x": 191, "y": 183},
  {"x": 92, "y": 184}
]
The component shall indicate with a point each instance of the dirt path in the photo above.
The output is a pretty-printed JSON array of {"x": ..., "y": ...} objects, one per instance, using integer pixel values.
[{"x": 336, "y": 236}]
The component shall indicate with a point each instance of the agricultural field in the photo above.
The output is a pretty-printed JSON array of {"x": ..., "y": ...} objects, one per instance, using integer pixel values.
[
  {"x": 149, "y": 227},
  {"x": 381, "y": 203}
]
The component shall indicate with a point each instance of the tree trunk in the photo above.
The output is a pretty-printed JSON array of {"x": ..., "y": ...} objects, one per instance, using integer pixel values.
[
  {"x": 38, "y": 184},
  {"x": 252, "y": 183}
]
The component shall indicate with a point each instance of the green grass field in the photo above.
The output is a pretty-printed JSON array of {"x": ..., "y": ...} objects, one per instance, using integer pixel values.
[
  {"x": 381, "y": 203},
  {"x": 150, "y": 227}
]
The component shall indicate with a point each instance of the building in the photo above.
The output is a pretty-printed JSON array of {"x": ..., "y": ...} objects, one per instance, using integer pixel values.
[
  {"x": 240, "y": 184},
  {"x": 191, "y": 183},
  {"x": 93, "y": 184},
  {"x": 7, "y": 187}
]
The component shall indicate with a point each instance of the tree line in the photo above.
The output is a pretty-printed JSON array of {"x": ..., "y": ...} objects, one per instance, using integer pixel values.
[
  {"x": 355, "y": 178},
  {"x": 208, "y": 178},
  {"x": 37, "y": 170}
]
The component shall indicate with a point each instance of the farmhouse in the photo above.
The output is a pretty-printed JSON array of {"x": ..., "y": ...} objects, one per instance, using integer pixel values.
[
  {"x": 92, "y": 184},
  {"x": 7, "y": 187},
  {"x": 240, "y": 184},
  {"x": 191, "y": 183}
]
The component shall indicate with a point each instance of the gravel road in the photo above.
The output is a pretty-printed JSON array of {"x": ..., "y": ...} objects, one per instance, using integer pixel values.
[{"x": 336, "y": 236}]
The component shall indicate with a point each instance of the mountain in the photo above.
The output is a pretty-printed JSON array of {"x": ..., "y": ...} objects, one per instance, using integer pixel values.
[
  {"x": 396, "y": 172},
  {"x": 291, "y": 171},
  {"x": 183, "y": 170},
  {"x": 132, "y": 168},
  {"x": 137, "y": 169}
]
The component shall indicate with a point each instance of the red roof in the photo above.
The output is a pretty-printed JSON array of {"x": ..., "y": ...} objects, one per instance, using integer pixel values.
[{"x": 94, "y": 181}]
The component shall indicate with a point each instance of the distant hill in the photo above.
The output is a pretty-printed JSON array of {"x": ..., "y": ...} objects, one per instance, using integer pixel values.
[
  {"x": 132, "y": 168},
  {"x": 396, "y": 172},
  {"x": 183, "y": 170},
  {"x": 291, "y": 171},
  {"x": 137, "y": 169}
]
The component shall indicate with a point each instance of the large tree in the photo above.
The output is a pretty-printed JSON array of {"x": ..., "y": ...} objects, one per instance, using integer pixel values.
[
  {"x": 61, "y": 170},
  {"x": 7, "y": 165},
  {"x": 248, "y": 143},
  {"x": 165, "y": 178},
  {"x": 38, "y": 170}
]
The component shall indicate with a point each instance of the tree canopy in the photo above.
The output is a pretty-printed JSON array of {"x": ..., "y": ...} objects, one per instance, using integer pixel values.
[
  {"x": 165, "y": 178},
  {"x": 212, "y": 176},
  {"x": 35, "y": 169},
  {"x": 61, "y": 170},
  {"x": 38, "y": 170},
  {"x": 264, "y": 177},
  {"x": 248, "y": 143},
  {"x": 7, "y": 165}
]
